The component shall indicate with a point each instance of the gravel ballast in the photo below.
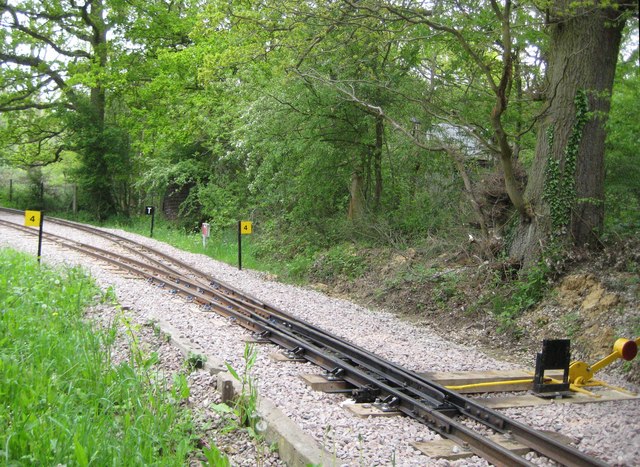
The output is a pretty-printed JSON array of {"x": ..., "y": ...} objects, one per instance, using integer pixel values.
[{"x": 609, "y": 430}]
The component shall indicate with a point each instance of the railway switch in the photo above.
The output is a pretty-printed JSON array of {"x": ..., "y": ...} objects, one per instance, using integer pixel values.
[
  {"x": 575, "y": 375},
  {"x": 581, "y": 373},
  {"x": 555, "y": 355},
  {"x": 366, "y": 394},
  {"x": 411, "y": 393},
  {"x": 387, "y": 404}
]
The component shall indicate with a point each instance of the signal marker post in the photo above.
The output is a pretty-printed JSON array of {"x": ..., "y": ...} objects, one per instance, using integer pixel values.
[
  {"x": 35, "y": 219},
  {"x": 244, "y": 228},
  {"x": 206, "y": 232},
  {"x": 150, "y": 211}
]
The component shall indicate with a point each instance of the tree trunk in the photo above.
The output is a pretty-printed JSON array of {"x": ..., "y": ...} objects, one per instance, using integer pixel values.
[
  {"x": 100, "y": 186},
  {"x": 377, "y": 162},
  {"x": 502, "y": 91},
  {"x": 565, "y": 192},
  {"x": 458, "y": 161},
  {"x": 357, "y": 200}
]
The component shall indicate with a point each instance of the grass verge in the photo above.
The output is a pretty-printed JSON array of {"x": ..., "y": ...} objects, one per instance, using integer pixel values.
[
  {"x": 62, "y": 400},
  {"x": 222, "y": 246}
]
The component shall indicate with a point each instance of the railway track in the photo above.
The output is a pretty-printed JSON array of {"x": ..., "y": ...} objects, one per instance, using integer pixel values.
[{"x": 375, "y": 379}]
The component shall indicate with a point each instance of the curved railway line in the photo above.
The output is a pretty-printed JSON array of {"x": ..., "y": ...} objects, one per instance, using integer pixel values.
[{"x": 374, "y": 378}]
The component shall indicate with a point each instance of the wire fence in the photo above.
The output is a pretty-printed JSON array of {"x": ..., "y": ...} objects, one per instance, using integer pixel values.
[{"x": 22, "y": 192}]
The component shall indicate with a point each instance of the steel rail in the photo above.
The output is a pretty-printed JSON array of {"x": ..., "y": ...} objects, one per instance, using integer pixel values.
[
  {"x": 93, "y": 251},
  {"x": 385, "y": 371},
  {"x": 413, "y": 394},
  {"x": 286, "y": 338},
  {"x": 220, "y": 286}
]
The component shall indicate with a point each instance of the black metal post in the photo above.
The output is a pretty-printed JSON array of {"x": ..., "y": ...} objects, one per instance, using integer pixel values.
[
  {"x": 153, "y": 217},
  {"x": 10, "y": 189},
  {"x": 40, "y": 236},
  {"x": 239, "y": 247},
  {"x": 75, "y": 199}
]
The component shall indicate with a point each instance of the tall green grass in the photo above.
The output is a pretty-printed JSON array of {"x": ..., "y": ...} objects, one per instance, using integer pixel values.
[
  {"x": 62, "y": 400},
  {"x": 222, "y": 246}
]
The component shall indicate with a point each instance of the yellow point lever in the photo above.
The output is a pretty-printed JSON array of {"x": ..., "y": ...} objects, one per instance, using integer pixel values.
[{"x": 581, "y": 373}]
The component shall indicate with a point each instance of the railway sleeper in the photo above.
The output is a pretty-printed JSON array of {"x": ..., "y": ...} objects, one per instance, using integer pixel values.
[{"x": 406, "y": 398}]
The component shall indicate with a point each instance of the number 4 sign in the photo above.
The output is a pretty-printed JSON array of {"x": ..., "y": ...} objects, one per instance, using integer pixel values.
[
  {"x": 245, "y": 227},
  {"x": 32, "y": 218},
  {"x": 35, "y": 219}
]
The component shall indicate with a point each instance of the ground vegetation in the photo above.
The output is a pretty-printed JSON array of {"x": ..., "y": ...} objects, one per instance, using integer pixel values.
[
  {"x": 65, "y": 398},
  {"x": 499, "y": 135}
]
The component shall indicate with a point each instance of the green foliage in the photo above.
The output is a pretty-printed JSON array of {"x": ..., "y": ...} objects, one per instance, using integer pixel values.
[
  {"x": 514, "y": 298},
  {"x": 430, "y": 209},
  {"x": 216, "y": 458},
  {"x": 195, "y": 361},
  {"x": 447, "y": 289},
  {"x": 36, "y": 188},
  {"x": 269, "y": 111},
  {"x": 622, "y": 192},
  {"x": 62, "y": 399},
  {"x": 340, "y": 261},
  {"x": 420, "y": 274},
  {"x": 105, "y": 167},
  {"x": 244, "y": 410},
  {"x": 560, "y": 185},
  {"x": 220, "y": 203},
  {"x": 297, "y": 269}
]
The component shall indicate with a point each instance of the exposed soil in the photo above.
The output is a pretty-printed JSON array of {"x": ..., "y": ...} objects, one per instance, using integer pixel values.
[
  {"x": 595, "y": 300},
  {"x": 452, "y": 295}
]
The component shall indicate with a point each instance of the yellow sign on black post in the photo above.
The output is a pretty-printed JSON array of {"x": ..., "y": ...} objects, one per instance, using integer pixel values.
[
  {"x": 35, "y": 219},
  {"x": 32, "y": 218},
  {"x": 245, "y": 227}
]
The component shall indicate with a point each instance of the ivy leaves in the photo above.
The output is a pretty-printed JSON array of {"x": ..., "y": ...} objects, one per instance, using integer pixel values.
[{"x": 560, "y": 185}]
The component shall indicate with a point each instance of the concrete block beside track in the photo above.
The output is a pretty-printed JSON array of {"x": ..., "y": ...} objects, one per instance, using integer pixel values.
[{"x": 295, "y": 447}]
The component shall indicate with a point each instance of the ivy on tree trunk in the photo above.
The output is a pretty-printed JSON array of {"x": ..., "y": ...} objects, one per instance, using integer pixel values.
[{"x": 584, "y": 45}]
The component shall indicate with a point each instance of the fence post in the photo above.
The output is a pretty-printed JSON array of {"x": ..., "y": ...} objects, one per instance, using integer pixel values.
[
  {"x": 10, "y": 189},
  {"x": 74, "y": 203}
]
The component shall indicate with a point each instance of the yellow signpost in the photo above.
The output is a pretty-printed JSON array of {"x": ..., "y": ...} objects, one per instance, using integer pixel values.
[
  {"x": 35, "y": 219},
  {"x": 245, "y": 227},
  {"x": 32, "y": 218}
]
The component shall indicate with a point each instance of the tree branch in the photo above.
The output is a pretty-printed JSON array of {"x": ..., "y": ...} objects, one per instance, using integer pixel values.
[
  {"x": 34, "y": 62},
  {"x": 422, "y": 16},
  {"x": 35, "y": 106},
  {"x": 41, "y": 37}
]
